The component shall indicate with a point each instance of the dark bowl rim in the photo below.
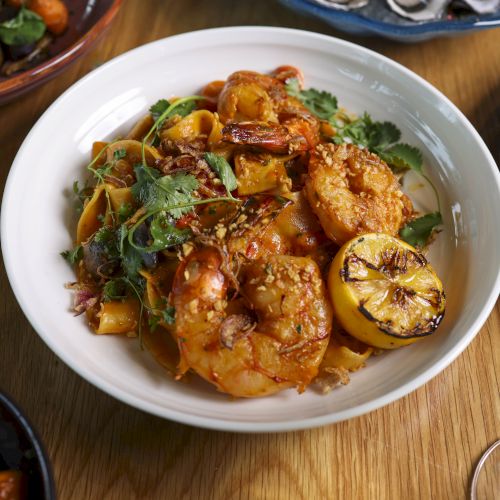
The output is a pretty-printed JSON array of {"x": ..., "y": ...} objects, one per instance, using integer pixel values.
[
  {"x": 484, "y": 21},
  {"x": 35, "y": 75},
  {"x": 49, "y": 488}
]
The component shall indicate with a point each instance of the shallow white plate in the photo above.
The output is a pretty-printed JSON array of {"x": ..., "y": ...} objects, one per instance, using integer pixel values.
[{"x": 38, "y": 222}]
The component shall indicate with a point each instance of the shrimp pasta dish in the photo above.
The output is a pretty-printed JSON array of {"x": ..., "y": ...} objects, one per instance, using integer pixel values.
[{"x": 256, "y": 235}]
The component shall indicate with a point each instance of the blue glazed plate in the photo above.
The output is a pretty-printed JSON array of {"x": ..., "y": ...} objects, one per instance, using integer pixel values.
[{"x": 377, "y": 19}]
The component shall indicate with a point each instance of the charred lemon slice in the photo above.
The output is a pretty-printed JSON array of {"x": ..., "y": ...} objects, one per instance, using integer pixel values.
[{"x": 384, "y": 292}]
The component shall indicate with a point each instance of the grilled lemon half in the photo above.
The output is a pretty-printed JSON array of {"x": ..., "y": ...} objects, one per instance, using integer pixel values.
[{"x": 384, "y": 292}]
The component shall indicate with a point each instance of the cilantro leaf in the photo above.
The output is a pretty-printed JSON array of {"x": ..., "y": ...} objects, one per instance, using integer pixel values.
[
  {"x": 115, "y": 289},
  {"x": 158, "y": 108},
  {"x": 177, "y": 189},
  {"x": 119, "y": 154},
  {"x": 418, "y": 231},
  {"x": 73, "y": 256},
  {"x": 153, "y": 321},
  {"x": 358, "y": 131},
  {"x": 168, "y": 315},
  {"x": 404, "y": 156},
  {"x": 222, "y": 168},
  {"x": 382, "y": 134},
  {"x": 161, "y": 193},
  {"x": 101, "y": 172},
  {"x": 124, "y": 212},
  {"x": 380, "y": 138},
  {"x": 184, "y": 108},
  {"x": 82, "y": 194},
  {"x": 106, "y": 235},
  {"x": 131, "y": 258},
  {"x": 24, "y": 29},
  {"x": 165, "y": 234},
  {"x": 321, "y": 103},
  {"x": 162, "y": 105},
  {"x": 363, "y": 131}
]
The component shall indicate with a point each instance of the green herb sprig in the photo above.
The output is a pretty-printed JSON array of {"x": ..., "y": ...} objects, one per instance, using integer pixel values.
[
  {"x": 24, "y": 29},
  {"x": 418, "y": 231},
  {"x": 222, "y": 168},
  {"x": 178, "y": 106},
  {"x": 381, "y": 138},
  {"x": 73, "y": 256}
]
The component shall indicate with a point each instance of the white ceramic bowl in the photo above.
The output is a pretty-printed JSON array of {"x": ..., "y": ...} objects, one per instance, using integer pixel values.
[{"x": 37, "y": 219}]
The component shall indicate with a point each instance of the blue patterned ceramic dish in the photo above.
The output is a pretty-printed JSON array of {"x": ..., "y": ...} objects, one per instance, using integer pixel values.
[{"x": 377, "y": 19}]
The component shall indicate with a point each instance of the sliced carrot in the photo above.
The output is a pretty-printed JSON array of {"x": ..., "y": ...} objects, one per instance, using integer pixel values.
[{"x": 53, "y": 12}]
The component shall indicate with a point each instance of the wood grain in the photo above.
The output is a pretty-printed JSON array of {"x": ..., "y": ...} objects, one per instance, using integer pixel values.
[{"x": 423, "y": 446}]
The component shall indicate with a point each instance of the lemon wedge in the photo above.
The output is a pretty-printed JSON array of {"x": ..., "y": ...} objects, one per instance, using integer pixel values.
[{"x": 384, "y": 292}]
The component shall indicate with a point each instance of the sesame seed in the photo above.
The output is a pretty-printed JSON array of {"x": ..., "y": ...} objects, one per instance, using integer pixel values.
[
  {"x": 187, "y": 248},
  {"x": 220, "y": 232},
  {"x": 193, "y": 306}
]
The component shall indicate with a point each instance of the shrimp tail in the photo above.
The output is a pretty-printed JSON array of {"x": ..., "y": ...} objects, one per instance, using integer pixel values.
[{"x": 269, "y": 136}]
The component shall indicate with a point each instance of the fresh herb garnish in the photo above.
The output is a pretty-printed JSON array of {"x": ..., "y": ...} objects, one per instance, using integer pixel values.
[
  {"x": 106, "y": 235},
  {"x": 159, "y": 108},
  {"x": 299, "y": 329},
  {"x": 119, "y": 154},
  {"x": 157, "y": 193},
  {"x": 165, "y": 234},
  {"x": 157, "y": 314},
  {"x": 168, "y": 315},
  {"x": 160, "y": 112},
  {"x": 381, "y": 138},
  {"x": 321, "y": 103},
  {"x": 402, "y": 157},
  {"x": 124, "y": 212},
  {"x": 153, "y": 321},
  {"x": 73, "y": 256},
  {"x": 222, "y": 168},
  {"x": 24, "y": 29},
  {"x": 115, "y": 289},
  {"x": 131, "y": 258},
  {"x": 418, "y": 231},
  {"x": 364, "y": 132},
  {"x": 82, "y": 195},
  {"x": 101, "y": 172}
]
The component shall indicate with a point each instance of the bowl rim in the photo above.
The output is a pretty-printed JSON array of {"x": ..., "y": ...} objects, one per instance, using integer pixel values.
[
  {"x": 480, "y": 21},
  {"x": 13, "y": 409},
  {"x": 213, "y": 422},
  {"x": 33, "y": 76}
]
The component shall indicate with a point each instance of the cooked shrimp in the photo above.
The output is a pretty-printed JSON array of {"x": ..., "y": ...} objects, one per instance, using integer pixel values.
[
  {"x": 275, "y": 341},
  {"x": 248, "y": 95},
  {"x": 294, "y": 231},
  {"x": 269, "y": 136},
  {"x": 352, "y": 191},
  {"x": 245, "y": 96},
  {"x": 285, "y": 73}
]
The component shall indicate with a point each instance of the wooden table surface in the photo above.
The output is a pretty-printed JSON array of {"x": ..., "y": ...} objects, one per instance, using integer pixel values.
[{"x": 423, "y": 446}]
